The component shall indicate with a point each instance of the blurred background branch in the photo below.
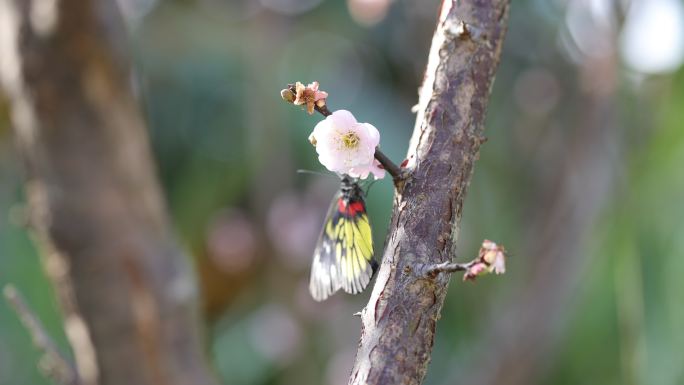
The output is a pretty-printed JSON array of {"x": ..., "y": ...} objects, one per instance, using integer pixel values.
[
  {"x": 518, "y": 352},
  {"x": 125, "y": 287},
  {"x": 52, "y": 363}
]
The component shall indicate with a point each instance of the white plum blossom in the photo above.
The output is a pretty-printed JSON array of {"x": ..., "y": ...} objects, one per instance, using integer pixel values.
[{"x": 345, "y": 146}]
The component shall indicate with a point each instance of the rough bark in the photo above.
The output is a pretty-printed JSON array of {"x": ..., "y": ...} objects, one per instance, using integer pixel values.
[
  {"x": 398, "y": 324},
  {"x": 124, "y": 285}
]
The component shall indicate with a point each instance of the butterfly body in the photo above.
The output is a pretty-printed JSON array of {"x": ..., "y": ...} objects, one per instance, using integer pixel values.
[{"x": 343, "y": 258}]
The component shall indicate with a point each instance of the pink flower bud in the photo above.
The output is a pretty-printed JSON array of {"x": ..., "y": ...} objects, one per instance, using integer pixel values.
[
  {"x": 494, "y": 256},
  {"x": 308, "y": 96},
  {"x": 474, "y": 271},
  {"x": 490, "y": 259}
]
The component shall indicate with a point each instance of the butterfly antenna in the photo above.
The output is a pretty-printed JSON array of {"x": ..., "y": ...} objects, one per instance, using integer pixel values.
[
  {"x": 303, "y": 171},
  {"x": 369, "y": 185}
]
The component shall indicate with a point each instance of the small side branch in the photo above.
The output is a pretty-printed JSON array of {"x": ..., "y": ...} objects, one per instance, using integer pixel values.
[
  {"x": 53, "y": 364},
  {"x": 491, "y": 258},
  {"x": 398, "y": 175},
  {"x": 447, "y": 267}
]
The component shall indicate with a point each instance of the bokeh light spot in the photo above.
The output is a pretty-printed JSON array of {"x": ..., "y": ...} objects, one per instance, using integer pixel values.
[{"x": 653, "y": 37}]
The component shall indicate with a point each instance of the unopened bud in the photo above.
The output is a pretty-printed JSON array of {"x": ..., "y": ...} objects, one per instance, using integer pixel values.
[{"x": 288, "y": 95}]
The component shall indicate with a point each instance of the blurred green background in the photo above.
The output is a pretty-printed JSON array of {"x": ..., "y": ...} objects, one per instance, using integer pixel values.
[{"x": 582, "y": 179}]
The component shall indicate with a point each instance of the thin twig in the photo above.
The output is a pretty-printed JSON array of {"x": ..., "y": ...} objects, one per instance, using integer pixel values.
[
  {"x": 397, "y": 174},
  {"x": 53, "y": 364},
  {"x": 323, "y": 110}
]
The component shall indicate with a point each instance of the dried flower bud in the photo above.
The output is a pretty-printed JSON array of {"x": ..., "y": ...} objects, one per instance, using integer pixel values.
[{"x": 309, "y": 96}]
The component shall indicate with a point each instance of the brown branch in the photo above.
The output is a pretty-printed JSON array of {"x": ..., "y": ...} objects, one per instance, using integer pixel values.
[
  {"x": 52, "y": 363},
  {"x": 398, "y": 324},
  {"x": 124, "y": 285}
]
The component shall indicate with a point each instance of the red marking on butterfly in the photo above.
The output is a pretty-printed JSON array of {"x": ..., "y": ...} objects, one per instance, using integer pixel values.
[{"x": 350, "y": 209}]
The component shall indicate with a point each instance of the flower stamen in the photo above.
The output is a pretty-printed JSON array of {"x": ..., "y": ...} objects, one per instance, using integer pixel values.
[{"x": 350, "y": 140}]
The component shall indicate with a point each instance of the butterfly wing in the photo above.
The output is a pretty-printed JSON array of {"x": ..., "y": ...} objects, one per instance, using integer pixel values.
[
  {"x": 325, "y": 279},
  {"x": 343, "y": 257}
]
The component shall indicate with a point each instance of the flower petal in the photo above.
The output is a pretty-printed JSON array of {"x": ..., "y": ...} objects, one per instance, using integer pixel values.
[
  {"x": 362, "y": 172},
  {"x": 342, "y": 118}
]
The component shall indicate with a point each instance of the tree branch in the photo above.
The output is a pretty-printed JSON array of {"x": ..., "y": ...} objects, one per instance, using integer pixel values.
[
  {"x": 398, "y": 324},
  {"x": 124, "y": 285},
  {"x": 53, "y": 364}
]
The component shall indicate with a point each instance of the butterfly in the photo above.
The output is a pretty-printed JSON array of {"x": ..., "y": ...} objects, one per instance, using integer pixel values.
[{"x": 343, "y": 257}]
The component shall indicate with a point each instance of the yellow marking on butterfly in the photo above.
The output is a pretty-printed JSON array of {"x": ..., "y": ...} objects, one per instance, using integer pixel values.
[
  {"x": 361, "y": 257},
  {"x": 365, "y": 242}
]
